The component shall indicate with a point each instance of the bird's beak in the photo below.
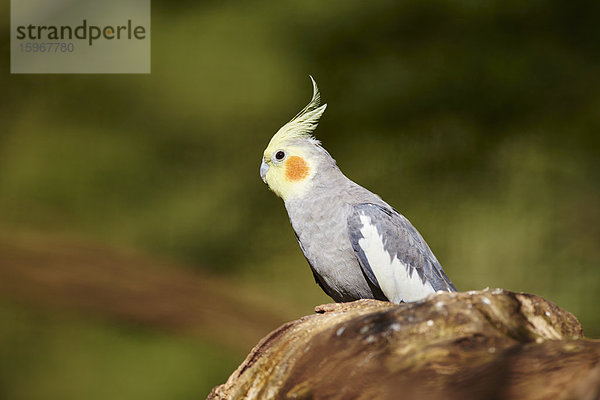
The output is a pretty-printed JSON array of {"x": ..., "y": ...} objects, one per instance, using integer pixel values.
[{"x": 263, "y": 170}]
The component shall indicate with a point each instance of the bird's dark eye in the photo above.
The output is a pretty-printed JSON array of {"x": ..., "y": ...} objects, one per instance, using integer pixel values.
[{"x": 279, "y": 155}]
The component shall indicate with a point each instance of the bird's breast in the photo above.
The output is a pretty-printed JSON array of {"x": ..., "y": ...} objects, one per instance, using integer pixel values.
[{"x": 322, "y": 233}]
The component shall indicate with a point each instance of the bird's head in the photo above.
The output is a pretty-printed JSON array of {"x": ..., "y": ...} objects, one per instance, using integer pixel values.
[{"x": 293, "y": 155}]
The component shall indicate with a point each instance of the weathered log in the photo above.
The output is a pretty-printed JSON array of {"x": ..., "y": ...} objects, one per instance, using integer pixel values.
[{"x": 490, "y": 344}]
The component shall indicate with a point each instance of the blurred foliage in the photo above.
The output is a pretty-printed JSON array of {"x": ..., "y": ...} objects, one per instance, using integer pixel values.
[
  {"x": 478, "y": 120},
  {"x": 57, "y": 356}
]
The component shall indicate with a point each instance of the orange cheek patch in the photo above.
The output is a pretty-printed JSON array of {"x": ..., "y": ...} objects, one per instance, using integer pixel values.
[{"x": 296, "y": 168}]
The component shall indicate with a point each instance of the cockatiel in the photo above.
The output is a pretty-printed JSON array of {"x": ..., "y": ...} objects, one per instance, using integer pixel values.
[{"x": 357, "y": 245}]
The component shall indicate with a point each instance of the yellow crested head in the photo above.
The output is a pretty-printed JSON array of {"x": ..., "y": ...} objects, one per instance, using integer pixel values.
[{"x": 288, "y": 164}]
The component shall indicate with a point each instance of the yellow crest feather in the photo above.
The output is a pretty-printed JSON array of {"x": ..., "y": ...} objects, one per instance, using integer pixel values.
[
  {"x": 305, "y": 122},
  {"x": 292, "y": 177}
]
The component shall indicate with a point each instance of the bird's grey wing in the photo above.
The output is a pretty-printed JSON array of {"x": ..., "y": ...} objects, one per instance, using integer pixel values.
[{"x": 393, "y": 255}]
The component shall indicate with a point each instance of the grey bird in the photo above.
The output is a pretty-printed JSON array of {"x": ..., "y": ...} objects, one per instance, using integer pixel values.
[{"x": 357, "y": 245}]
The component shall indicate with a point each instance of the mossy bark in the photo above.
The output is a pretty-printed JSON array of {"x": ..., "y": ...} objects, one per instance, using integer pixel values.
[{"x": 490, "y": 344}]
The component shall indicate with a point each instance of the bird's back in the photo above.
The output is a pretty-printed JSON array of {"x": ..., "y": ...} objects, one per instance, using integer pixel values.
[
  {"x": 330, "y": 238},
  {"x": 320, "y": 224}
]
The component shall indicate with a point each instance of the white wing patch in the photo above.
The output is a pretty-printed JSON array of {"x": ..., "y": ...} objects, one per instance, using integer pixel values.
[{"x": 391, "y": 273}]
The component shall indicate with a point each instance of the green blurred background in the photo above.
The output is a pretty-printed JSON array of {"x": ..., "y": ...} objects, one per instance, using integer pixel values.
[{"x": 479, "y": 120}]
